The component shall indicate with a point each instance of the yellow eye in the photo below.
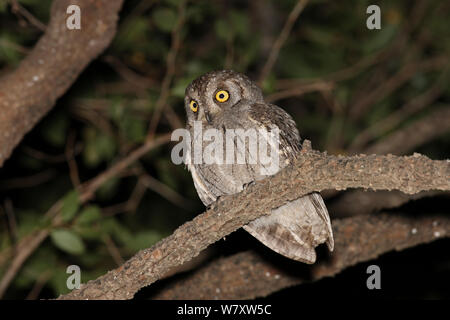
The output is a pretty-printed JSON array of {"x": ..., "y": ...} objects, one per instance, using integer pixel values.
[
  {"x": 222, "y": 96},
  {"x": 194, "y": 105}
]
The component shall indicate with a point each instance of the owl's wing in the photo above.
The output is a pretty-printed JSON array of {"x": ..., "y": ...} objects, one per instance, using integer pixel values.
[
  {"x": 295, "y": 229},
  {"x": 202, "y": 187},
  {"x": 268, "y": 115}
]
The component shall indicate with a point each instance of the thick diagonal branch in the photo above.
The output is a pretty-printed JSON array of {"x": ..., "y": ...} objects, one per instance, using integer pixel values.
[
  {"x": 313, "y": 171},
  {"x": 247, "y": 275},
  {"x": 29, "y": 92}
]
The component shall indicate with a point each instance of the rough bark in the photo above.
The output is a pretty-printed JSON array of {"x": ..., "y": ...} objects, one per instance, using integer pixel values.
[
  {"x": 313, "y": 171},
  {"x": 30, "y": 91},
  {"x": 248, "y": 275}
]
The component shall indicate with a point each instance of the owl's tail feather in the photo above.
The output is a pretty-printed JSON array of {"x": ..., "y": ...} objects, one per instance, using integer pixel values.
[{"x": 296, "y": 228}]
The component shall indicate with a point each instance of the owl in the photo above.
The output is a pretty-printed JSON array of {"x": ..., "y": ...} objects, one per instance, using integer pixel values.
[{"x": 228, "y": 100}]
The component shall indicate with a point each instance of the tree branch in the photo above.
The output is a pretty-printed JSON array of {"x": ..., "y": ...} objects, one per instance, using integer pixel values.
[
  {"x": 29, "y": 92},
  {"x": 313, "y": 171},
  {"x": 247, "y": 275}
]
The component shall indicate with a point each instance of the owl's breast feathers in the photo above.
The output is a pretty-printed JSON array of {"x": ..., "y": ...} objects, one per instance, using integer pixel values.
[
  {"x": 214, "y": 180},
  {"x": 293, "y": 230}
]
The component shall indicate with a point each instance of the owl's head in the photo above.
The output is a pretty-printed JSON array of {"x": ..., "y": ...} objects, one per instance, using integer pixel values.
[{"x": 216, "y": 92}]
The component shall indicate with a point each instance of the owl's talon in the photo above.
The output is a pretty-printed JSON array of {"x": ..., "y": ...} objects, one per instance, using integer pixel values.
[
  {"x": 248, "y": 184},
  {"x": 213, "y": 204}
]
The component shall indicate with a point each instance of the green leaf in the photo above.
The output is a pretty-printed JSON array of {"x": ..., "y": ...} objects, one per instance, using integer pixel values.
[
  {"x": 67, "y": 241},
  {"x": 71, "y": 204},
  {"x": 164, "y": 19},
  {"x": 89, "y": 215}
]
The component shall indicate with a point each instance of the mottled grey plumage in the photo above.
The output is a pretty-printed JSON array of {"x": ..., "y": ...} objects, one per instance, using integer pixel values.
[{"x": 293, "y": 230}]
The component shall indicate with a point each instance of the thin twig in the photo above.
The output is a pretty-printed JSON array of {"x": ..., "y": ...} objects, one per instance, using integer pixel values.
[
  {"x": 414, "y": 135},
  {"x": 12, "y": 222},
  {"x": 17, "y": 8},
  {"x": 39, "y": 155},
  {"x": 166, "y": 192},
  {"x": 299, "y": 91},
  {"x": 9, "y": 44},
  {"x": 138, "y": 10},
  {"x": 39, "y": 285},
  {"x": 131, "y": 204},
  {"x": 113, "y": 250},
  {"x": 90, "y": 187},
  {"x": 336, "y": 76},
  {"x": 30, "y": 244},
  {"x": 411, "y": 107},
  {"x": 161, "y": 103},
  {"x": 129, "y": 75},
  {"x": 71, "y": 162},
  {"x": 282, "y": 37},
  {"x": 393, "y": 83}
]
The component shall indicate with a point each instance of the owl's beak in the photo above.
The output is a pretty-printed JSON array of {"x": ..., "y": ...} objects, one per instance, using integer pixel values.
[{"x": 207, "y": 117}]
